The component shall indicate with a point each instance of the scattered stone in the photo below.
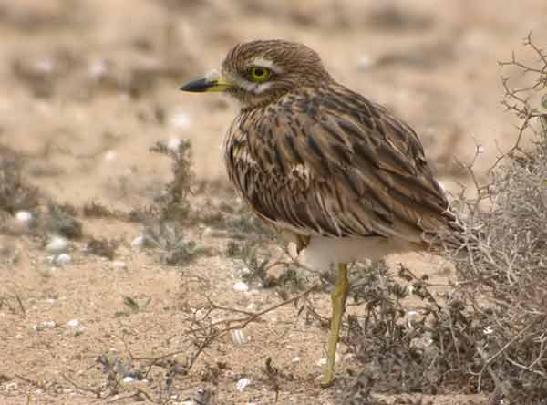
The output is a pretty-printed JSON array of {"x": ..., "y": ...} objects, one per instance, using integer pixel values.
[
  {"x": 60, "y": 260},
  {"x": 138, "y": 241},
  {"x": 238, "y": 337},
  {"x": 241, "y": 286},
  {"x": 73, "y": 323},
  {"x": 321, "y": 362},
  {"x": 44, "y": 325},
  {"x": 242, "y": 383},
  {"x": 24, "y": 217},
  {"x": 57, "y": 244}
]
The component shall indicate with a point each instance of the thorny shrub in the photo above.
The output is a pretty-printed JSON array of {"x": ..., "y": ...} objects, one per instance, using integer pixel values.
[
  {"x": 489, "y": 333},
  {"x": 165, "y": 221}
]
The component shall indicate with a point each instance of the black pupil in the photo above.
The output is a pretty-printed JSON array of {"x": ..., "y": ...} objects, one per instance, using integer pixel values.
[{"x": 259, "y": 72}]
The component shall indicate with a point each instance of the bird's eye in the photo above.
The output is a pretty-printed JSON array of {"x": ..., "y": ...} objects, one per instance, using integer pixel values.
[{"x": 259, "y": 74}]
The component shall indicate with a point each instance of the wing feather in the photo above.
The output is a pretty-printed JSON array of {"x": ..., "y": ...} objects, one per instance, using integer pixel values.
[{"x": 330, "y": 162}]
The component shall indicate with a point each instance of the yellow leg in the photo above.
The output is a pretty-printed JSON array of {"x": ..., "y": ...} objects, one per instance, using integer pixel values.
[{"x": 338, "y": 308}]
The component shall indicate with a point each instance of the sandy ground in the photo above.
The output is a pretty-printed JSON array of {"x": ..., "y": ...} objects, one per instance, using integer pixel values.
[{"x": 88, "y": 87}]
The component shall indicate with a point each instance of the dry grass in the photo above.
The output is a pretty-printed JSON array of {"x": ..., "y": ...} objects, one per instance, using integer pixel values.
[{"x": 15, "y": 193}]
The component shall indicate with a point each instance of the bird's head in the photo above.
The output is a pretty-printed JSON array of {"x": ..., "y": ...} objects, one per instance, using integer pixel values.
[{"x": 259, "y": 72}]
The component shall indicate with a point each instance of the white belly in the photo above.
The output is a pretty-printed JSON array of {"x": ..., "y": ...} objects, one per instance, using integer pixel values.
[{"x": 323, "y": 252}]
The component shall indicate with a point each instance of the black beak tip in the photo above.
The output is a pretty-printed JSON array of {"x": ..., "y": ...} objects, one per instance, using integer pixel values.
[{"x": 196, "y": 86}]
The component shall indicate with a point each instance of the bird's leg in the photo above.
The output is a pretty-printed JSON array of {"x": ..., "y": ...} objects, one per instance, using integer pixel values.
[{"x": 338, "y": 308}]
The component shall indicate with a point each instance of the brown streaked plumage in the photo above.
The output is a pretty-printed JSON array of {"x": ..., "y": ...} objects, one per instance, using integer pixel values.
[{"x": 324, "y": 163}]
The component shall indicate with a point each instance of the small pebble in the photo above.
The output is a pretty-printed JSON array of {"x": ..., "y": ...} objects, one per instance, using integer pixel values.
[
  {"x": 410, "y": 317},
  {"x": 24, "y": 217},
  {"x": 10, "y": 386},
  {"x": 62, "y": 259},
  {"x": 242, "y": 384},
  {"x": 128, "y": 380},
  {"x": 238, "y": 337},
  {"x": 296, "y": 359},
  {"x": 73, "y": 323},
  {"x": 241, "y": 286},
  {"x": 411, "y": 314},
  {"x": 57, "y": 244},
  {"x": 138, "y": 241},
  {"x": 321, "y": 362},
  {"x": 45, "y": 325}
]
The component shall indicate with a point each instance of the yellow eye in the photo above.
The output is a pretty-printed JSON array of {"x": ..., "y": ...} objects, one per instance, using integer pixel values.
[{"x": 259, "y": 74}]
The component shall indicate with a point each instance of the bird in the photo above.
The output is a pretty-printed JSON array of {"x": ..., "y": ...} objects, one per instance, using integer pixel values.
[{"x": 335, "y": 172}]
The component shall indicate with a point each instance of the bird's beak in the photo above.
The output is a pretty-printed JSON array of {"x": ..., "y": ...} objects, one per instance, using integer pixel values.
[{"x": 214, "y": 84}]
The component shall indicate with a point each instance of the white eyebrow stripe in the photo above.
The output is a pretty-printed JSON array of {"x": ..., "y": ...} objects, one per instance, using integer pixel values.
[
  {"x": 213, "y": 75},
  {"x": 267, "y": 63}
]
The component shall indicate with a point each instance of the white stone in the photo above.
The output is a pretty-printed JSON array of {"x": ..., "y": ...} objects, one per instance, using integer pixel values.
[
  {"x": 241, "y": 286},
  {"x": 238, "y": 337},
  {"x": 10, "y": 386},
  {"x": 62, "y": 259},
  {"x": 321, "y": 362},
  {"x": 73, "y": 323},
  {"x": 242, "y": 383},
  {"x": 49, "y": 324},
  {"x": 45, "y": 325},
  {"x": 138, "y": 241},
  {"x": 128, "y": 380},
  {"x": 24, "y": 217},
  {"x": 296, "y": 359},
  {"x": 57, "y": 244}
]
